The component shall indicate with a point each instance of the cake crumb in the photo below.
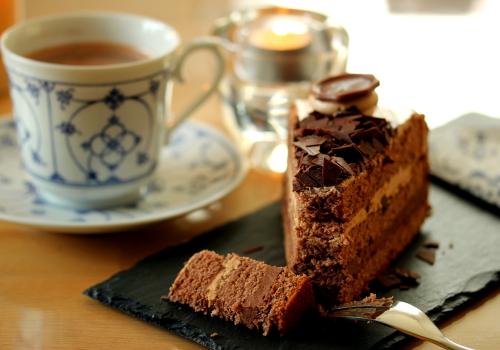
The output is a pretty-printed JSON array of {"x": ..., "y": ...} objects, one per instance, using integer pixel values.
[
  {"x": 429, "y": 243},
  {"x": 398, "y": 277},
  {"x": 214, "y": 334},
  {"x": 407, "y": 276},
  {"x": 388, "y": 281},
  {"x": 427, "y": 255}
]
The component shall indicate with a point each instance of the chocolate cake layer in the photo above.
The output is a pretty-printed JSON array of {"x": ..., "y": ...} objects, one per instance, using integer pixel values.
[
  {"x": 366, "y": 250},
  {"x": 343, "y": 235},
  {"x": 190, "y": 286},
  {"x": 243, "y": 291}
]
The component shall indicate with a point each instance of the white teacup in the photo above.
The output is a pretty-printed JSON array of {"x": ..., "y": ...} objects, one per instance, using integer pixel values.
[{"x": 90, "y": 136}]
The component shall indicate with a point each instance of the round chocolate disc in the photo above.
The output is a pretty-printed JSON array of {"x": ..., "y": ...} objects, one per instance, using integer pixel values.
[{"x": 345, "y": 87}]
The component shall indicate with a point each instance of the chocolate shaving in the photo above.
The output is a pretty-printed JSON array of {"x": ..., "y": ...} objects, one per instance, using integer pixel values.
[
  {"x": 331, "y": 148},
  {"x": 319, "y": 160},
  {"x": 373, "y": 134},
  {"x": 429, "y": 243},
  {"x": 397, "y": 278},
  {"x": 313, "y": 140},
  {"x": 350, "y": 152},
  {"x": 389, "y": 281},
  {"x": 407, "y": 276},
  {"x": 308, "y": 177},
  {"x": 369, "y": 308},
  {"x": 367, "y": 149},
  {"x": 331, "y": 173},
  {"x": 313, "y": 150},
  {"x": 252, "y": 250},
  {"x": 311, "y": 144},
  {"x": 314, "y": 120},
  {"x": 342, "y": 163},
  {"x": 427, "y": 255}
]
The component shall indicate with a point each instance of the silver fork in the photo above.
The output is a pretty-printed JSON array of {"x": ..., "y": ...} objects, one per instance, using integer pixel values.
[{"x": 401, "y": 316}]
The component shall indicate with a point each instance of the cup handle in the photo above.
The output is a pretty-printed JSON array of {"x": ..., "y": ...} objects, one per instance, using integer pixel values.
[
  {"x": 340, "y": 44},
  {"x": 212, "y": 45}
]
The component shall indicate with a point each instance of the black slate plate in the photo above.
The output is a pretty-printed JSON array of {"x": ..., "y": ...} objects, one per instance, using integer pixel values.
[{"x": 467, "y": 263}]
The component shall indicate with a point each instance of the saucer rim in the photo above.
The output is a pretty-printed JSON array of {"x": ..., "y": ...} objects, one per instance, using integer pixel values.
[{"x": 128, "y": 224}]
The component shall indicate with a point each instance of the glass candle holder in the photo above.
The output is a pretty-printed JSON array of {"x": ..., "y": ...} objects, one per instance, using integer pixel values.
[{"x": 274, "y": 54}]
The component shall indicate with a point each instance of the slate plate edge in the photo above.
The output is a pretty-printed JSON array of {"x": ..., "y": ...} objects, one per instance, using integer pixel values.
[
  {"x": 130, "y": 307},
  {"x": 488, "y": 281}
]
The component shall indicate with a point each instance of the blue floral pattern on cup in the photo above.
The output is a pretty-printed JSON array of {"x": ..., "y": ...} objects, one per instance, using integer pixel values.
[
  {"x": 111, "y": 145},
  {"x": 120, "y": 136}
]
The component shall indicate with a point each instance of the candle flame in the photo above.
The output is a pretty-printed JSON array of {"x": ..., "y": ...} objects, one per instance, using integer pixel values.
[
  {"x": 287, "y": 26},
  {"x": 281, "y": 34}
]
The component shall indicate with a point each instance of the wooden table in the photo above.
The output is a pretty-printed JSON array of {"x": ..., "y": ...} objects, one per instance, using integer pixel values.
[{"x": 42, "y": 275}]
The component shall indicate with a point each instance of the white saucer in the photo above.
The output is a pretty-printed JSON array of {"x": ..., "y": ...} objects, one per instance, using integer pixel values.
[{"x": 198, "y": 167}]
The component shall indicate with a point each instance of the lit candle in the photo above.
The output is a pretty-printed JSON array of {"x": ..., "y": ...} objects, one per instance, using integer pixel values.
[
  {"x": 281, "y": 33},
  {"x": 275, "y": 49}
]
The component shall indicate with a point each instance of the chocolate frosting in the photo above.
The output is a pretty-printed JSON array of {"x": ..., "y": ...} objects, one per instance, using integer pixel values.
[
  {"x": 345, "y": 87},
  {"x": 331, "y": 148}
]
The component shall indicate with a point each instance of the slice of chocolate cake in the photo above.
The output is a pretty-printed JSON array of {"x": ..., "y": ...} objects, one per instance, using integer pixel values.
[
  {"x": 356, "y": 187},
  {"x": 243, "y": 291}
]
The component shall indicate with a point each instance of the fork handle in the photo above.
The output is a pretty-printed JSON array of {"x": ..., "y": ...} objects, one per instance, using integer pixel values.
[
  {"x": 446, "y": 343},
  {"x": 439, "y": 340},
  {"x": 410, "y": 320}
]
